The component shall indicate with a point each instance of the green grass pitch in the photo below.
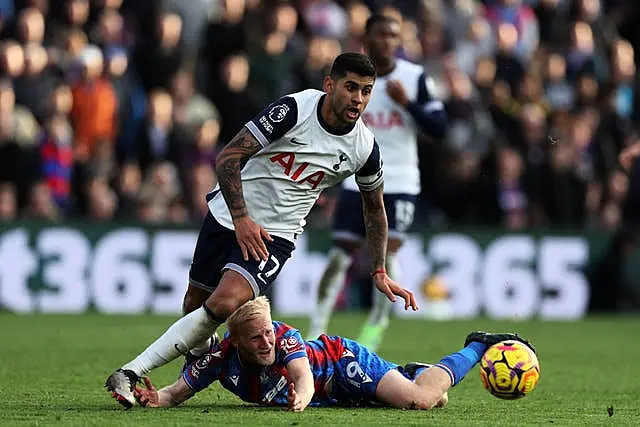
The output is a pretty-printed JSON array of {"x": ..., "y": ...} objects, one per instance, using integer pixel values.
[{"x": 52, "y": 369}]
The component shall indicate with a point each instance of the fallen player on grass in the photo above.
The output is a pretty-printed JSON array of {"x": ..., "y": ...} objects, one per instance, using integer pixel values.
[{"x": 268, "y": 363}]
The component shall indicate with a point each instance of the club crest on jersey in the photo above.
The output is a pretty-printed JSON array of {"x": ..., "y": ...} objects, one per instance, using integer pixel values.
[
  {"x": 203, "y": 362},
  {"x": 278, "y": 113},
  {"x": 289, "y": 344},
  {"x": 341, "y": 158},
  {"x": 287, "y": 161}
]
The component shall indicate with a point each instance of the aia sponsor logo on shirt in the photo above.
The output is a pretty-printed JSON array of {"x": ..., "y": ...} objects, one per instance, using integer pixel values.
[
  {"x": 383, "y": 119},
  {"x": 299, "y": 173}
]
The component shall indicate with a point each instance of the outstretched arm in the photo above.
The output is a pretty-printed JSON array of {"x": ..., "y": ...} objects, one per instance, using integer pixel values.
[
  {"x": 375, "y": 220},
  {"x": 301, "y": 388},
  {"x": 169, "y": 396},
  {"x": 370, "y": 181}
]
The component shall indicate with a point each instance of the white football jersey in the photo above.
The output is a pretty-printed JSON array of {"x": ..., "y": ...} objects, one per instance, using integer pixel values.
[
  {"x": 395, "y": 128},
  {"x": 302, "y": 156}
]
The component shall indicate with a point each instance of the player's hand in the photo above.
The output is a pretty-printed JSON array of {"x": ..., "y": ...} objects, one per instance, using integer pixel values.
[
  {"x": 628, "y": 156},
  {"x": 294, "y": 401},
  {"x": 251, "y": 237},
  {"x": 390, "y": 288},
  {"x": 148, "y": 397},
  {"x": 396, "y": 91}
]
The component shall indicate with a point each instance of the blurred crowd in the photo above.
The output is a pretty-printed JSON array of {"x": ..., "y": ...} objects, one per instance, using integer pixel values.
[{"x": 116, "y": 109}]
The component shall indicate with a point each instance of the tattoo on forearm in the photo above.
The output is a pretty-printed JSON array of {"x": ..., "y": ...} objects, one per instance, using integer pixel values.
[
  {"x": 228, "y": 165},
  {"x": 375, "y": 220}
]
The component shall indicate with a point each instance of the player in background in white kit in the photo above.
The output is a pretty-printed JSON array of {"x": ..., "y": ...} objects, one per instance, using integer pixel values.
[
  {"x": 269, "y": 177},
  {"x": 401, "y": 105}
]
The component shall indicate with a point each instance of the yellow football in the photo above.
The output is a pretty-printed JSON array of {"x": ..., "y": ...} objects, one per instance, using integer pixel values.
[{"x": 509, "y": 370}]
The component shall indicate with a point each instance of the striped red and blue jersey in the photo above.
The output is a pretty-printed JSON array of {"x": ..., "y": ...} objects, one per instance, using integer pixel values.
[{"x": 269, "y": 385}]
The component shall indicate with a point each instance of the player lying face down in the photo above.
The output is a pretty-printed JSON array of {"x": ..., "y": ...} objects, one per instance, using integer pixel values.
[{"x": 273, "y": 356}]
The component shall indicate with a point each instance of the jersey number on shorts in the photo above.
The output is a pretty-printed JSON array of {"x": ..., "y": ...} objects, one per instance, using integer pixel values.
[
  {"x": 268, "y": 273},
  {"x": 404, "y": 214}
]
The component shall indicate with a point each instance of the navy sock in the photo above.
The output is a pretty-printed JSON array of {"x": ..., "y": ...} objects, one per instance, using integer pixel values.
[{"x": 458, "y": 364}]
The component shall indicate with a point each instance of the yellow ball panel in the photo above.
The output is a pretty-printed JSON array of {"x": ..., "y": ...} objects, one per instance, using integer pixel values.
[{"x": 509, "y": 370}]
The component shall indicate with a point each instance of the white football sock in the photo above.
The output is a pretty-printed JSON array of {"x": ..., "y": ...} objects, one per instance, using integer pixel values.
[
  {"x": 202, "y": 348},
  {"x": 330, "y": 285},
  {"x": 381, "y": 308},
  {"x": 184, "y": 334}
]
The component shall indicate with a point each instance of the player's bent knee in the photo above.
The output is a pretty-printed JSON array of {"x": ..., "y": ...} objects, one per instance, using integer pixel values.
[
  {"x": 232, "y": 291},
  {"x": 194, "y": 298},
  {"x": 396, "y": 391}
]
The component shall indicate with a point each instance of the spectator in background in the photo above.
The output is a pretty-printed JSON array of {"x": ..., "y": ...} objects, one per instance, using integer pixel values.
[
  {"x": 358, "y": 13},
  {"x": 158, "y": 139},
  {"x": 12, "y": 59},
  {"x": 102, "y": 200},
  {"x": 8, "y": 202},
  {"x": 41, "y": 204},
  {"x": 524, "y": 22},
  {"x": 56, "y": 154},
  {"x": 320, "y": 54},
  {"x": 16, "y": 120},
  {"x": 235, "y": 95},
  {"x": 160, "y": 59},
  {"x": 131, "y": 100},
  {"x": 35, "y": 85},
  {"x": 95, "y": 105},
  {"x": 550, "y": 80},
  {"x": 190, "y": 108},
  {"x": 224, "y": 35},
  {"x": 205, "y": 147},
  {"x": 127, "y": 190}
]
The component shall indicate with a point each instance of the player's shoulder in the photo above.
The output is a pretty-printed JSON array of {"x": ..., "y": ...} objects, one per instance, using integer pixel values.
[
  {"x": 281, "y": 329},
  {"x": 306, "y": 99},
  {"x": 364, "y": 132},
  {"x": 304, "y": 102}
]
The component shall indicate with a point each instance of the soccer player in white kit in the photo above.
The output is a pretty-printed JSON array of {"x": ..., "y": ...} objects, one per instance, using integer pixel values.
[
  {"x": 269, "y": 177},
  {"x": 401, "y": 105}
]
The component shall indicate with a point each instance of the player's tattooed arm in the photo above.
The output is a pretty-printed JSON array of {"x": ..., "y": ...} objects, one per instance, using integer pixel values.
[
  {"x": 375, "y": 220},
  {"x": 228, "y": 165}
]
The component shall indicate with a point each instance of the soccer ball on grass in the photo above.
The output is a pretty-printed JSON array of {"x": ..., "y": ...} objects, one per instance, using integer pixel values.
[{"x": 509, "y": 370}]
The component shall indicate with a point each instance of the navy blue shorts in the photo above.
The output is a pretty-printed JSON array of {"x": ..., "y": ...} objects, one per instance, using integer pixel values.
[
  {"x": 360, "y": 370},
  {"x": 348, "y": 222},
  {"x": 217, "y": 250}
]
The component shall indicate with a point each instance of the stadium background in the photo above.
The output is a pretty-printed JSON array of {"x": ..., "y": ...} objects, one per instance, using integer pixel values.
[{"x": 112, "y": 111}]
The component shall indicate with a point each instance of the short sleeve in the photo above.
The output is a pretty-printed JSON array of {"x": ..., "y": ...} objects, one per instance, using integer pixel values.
[
  {"x": 370, "y": 175},
  {"x": 274, "y": 121},
  {"x": 291, "y": 346}
]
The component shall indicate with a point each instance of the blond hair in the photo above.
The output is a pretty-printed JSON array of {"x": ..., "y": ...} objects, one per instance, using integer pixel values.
[{"x": 247, "y": 312}]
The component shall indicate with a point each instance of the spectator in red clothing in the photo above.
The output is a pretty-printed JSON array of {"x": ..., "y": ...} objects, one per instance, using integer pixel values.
[
  {"x": 95, "y": 106},
  {"x": 56, "y": 155}
]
